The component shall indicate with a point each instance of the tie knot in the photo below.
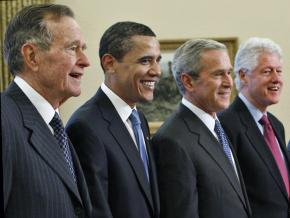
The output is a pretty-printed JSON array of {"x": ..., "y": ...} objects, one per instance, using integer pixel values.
[
  {"x": 264, "y": 120},
  {"x": 134, "y": 118},
  {"x": 217, "y": 126},
  {"x": 56, "y": 123}
]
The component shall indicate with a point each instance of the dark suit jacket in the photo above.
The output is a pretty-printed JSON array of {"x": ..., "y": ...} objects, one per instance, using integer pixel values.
[
  {"x": 195, "y": 177},
  {"x": 266, "y": 191},
  {"x": 37, "y": 182},
  {"x": 108, "y": 155}
]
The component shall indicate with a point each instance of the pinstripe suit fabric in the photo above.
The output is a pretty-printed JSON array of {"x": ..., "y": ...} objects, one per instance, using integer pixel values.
[{"x": 36, "y": 180}]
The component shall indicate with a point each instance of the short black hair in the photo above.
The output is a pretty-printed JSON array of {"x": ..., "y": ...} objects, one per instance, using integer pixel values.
[{"x": 117, "y": 38}]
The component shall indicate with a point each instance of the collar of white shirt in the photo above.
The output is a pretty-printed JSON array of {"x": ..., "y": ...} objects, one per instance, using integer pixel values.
[
  {"x": 123, "y": 109},
  {"x": 206, "y": 118},
  {"x": 255, "y": 112},
  {"x": 44, "y": 108}
]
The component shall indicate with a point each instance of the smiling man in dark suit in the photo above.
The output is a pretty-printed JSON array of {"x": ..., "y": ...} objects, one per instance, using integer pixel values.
[
  {"x": 260, "y": 146},
  {"x": 198, "y": 173},
  {"x": 110, "y": 136},
  {"x": 42, "y": 175}
]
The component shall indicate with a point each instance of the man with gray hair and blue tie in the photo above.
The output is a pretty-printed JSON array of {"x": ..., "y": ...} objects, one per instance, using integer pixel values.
[{"x": 198, "y": 173}]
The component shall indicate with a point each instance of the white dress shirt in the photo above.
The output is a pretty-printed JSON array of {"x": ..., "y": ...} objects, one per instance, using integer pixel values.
[
  {"x": 123, "y": 109},
  {"x": 208, "y": 121},
  {"x": 257, "y": 115},
  {"x": 43, "y": 107}
]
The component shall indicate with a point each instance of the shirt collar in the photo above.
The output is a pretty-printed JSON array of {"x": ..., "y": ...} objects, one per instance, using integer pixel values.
[
  {"x": 123, "y": 109},
  {"x": 255, "y": 112},
  {"x": 206, "y": 118},
  {"x": 44, "y": 108}
]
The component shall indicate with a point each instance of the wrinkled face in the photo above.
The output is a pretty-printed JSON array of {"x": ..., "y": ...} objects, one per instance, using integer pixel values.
[
  {"x": 263, "y": 85},
  {"x": 212, "y": 90},
  {"x": 62, "y": 66},
  {"x": 135, "y": 76}
]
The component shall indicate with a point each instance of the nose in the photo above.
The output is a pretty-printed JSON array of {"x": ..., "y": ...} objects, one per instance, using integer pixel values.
[
  {"x": 228, "y": 80},
  {"x": 155, "y": 69},
  {"x": 276, "y": 75},
  {"x": 83, "y": 60}
]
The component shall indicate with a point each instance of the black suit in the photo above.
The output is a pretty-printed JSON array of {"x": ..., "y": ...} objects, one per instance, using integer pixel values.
[
  {"x": 37, "y": 182},
  {"x": 108, "y": 155},
  {"x": 195, "y": 177},
  {"x": 266, "y": 191}
]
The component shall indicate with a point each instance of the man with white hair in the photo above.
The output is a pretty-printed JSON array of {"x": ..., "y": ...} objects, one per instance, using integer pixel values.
[{"x": 257, "y": 135}]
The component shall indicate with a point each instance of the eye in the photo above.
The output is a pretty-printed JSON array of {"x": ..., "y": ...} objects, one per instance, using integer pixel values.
[
  {"x": 218, "y": 73},
  {"x": 145, "y": 61},
  {"x": 159, "y": 59},
  {"x": 266, "y": 72},
  {"x": 73, "y": 47},
  {"x": 279, "y": 71}
]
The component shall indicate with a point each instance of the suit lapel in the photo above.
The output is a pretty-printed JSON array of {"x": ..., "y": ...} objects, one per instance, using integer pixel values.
[
  {"x": 42, "y": 139},
  {"x": 213, "y": 148},
  {"x": 124, "y": 140},
  {"x": 257, "y": 141}
]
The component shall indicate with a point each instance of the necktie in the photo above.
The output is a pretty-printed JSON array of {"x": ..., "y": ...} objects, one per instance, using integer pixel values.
[
  {"x": 223, "y": 140},
  {"x": 136, "y": 124},
  {"x": 270, "y": 139},
  {"x": 62, "y": 139}
]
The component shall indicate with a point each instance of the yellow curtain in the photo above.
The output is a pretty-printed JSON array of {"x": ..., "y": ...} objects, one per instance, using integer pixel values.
[{"x": 8, "y": 9}]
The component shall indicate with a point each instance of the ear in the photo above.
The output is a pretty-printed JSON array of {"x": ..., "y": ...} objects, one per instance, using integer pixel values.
[
  {"x": 108, "y": 63},
  {"x": 29, "y": 52},
  {"x": 187, "y": 82},
  {"x": 243, "y": 76}
]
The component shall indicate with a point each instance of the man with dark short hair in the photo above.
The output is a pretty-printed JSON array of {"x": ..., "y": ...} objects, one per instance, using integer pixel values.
[
  {"x": 110, "y": 135},
  {"x": 42, "y": 177}
]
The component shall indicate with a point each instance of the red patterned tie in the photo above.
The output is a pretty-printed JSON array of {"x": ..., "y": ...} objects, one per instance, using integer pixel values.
[{"x": 270, "y": 138}]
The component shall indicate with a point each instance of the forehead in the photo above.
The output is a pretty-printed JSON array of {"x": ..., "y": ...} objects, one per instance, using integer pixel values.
[
  {"x": 215, "y": 57},
  {"x": 267, "y": 59},
  {"x": 143, "y": 44},
  {"x": 65, "y": 28}
]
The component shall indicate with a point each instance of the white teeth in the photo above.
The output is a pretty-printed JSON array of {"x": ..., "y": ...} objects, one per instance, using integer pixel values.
[
  {"x": 274, "y": 88},
  {"x": 149, "y": 84}
]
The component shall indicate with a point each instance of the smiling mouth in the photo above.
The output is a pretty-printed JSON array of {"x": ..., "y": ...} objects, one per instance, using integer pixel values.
[
  {"x": 149, "y": 84},
  {"x": 225, "y": 94},
  {"x": 274, "y": 88},
  {"x": 76, "y": 75}
]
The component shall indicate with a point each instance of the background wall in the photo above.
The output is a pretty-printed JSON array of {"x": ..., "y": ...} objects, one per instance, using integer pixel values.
[{"x": 185, "y": 19}]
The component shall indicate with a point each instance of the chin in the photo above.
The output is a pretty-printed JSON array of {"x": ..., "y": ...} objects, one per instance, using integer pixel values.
[{"x": 75, "y": 93}]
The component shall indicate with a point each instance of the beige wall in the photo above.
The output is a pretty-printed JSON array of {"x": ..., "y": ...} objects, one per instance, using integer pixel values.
[{"x": 185, "y": 19}]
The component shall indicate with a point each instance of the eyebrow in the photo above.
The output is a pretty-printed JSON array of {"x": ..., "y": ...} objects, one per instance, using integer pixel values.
[
  {"x": 77, "y": 42},
  {"x": 149, "y": 57}
]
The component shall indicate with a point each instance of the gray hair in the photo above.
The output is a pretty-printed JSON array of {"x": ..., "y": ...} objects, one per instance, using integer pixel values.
[
  {"x": 187, "y": 58},
  {"x": 29, "y": 25},
  {"x": 247, "y": 57}
]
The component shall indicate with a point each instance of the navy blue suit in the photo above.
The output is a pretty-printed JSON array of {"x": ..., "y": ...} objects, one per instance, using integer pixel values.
[
  {"x": 37, "y": 182},
  {"x": 264, "y": 184},
  {"x": 195, "y": 177},
  {"x": 109, "y": 156}
]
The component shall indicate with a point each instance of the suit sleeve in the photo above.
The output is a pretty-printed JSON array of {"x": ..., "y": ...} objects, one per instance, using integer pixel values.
[
  {"x": 176, "y": 179},
  {"x": 92, "y": 156}
]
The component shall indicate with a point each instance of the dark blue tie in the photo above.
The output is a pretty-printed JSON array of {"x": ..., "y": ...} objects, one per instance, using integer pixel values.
[
  {"x": 62, "y": 139},
  {"x": 223, "y": 140},
  {"x": 136, "y": 124}
]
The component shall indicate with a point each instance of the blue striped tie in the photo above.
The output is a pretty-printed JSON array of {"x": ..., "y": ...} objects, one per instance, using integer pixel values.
[
  {"x": 223, "y": 140},
  {"x": 136, "y": 123},
  {"x": 62, "y": 139}
]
